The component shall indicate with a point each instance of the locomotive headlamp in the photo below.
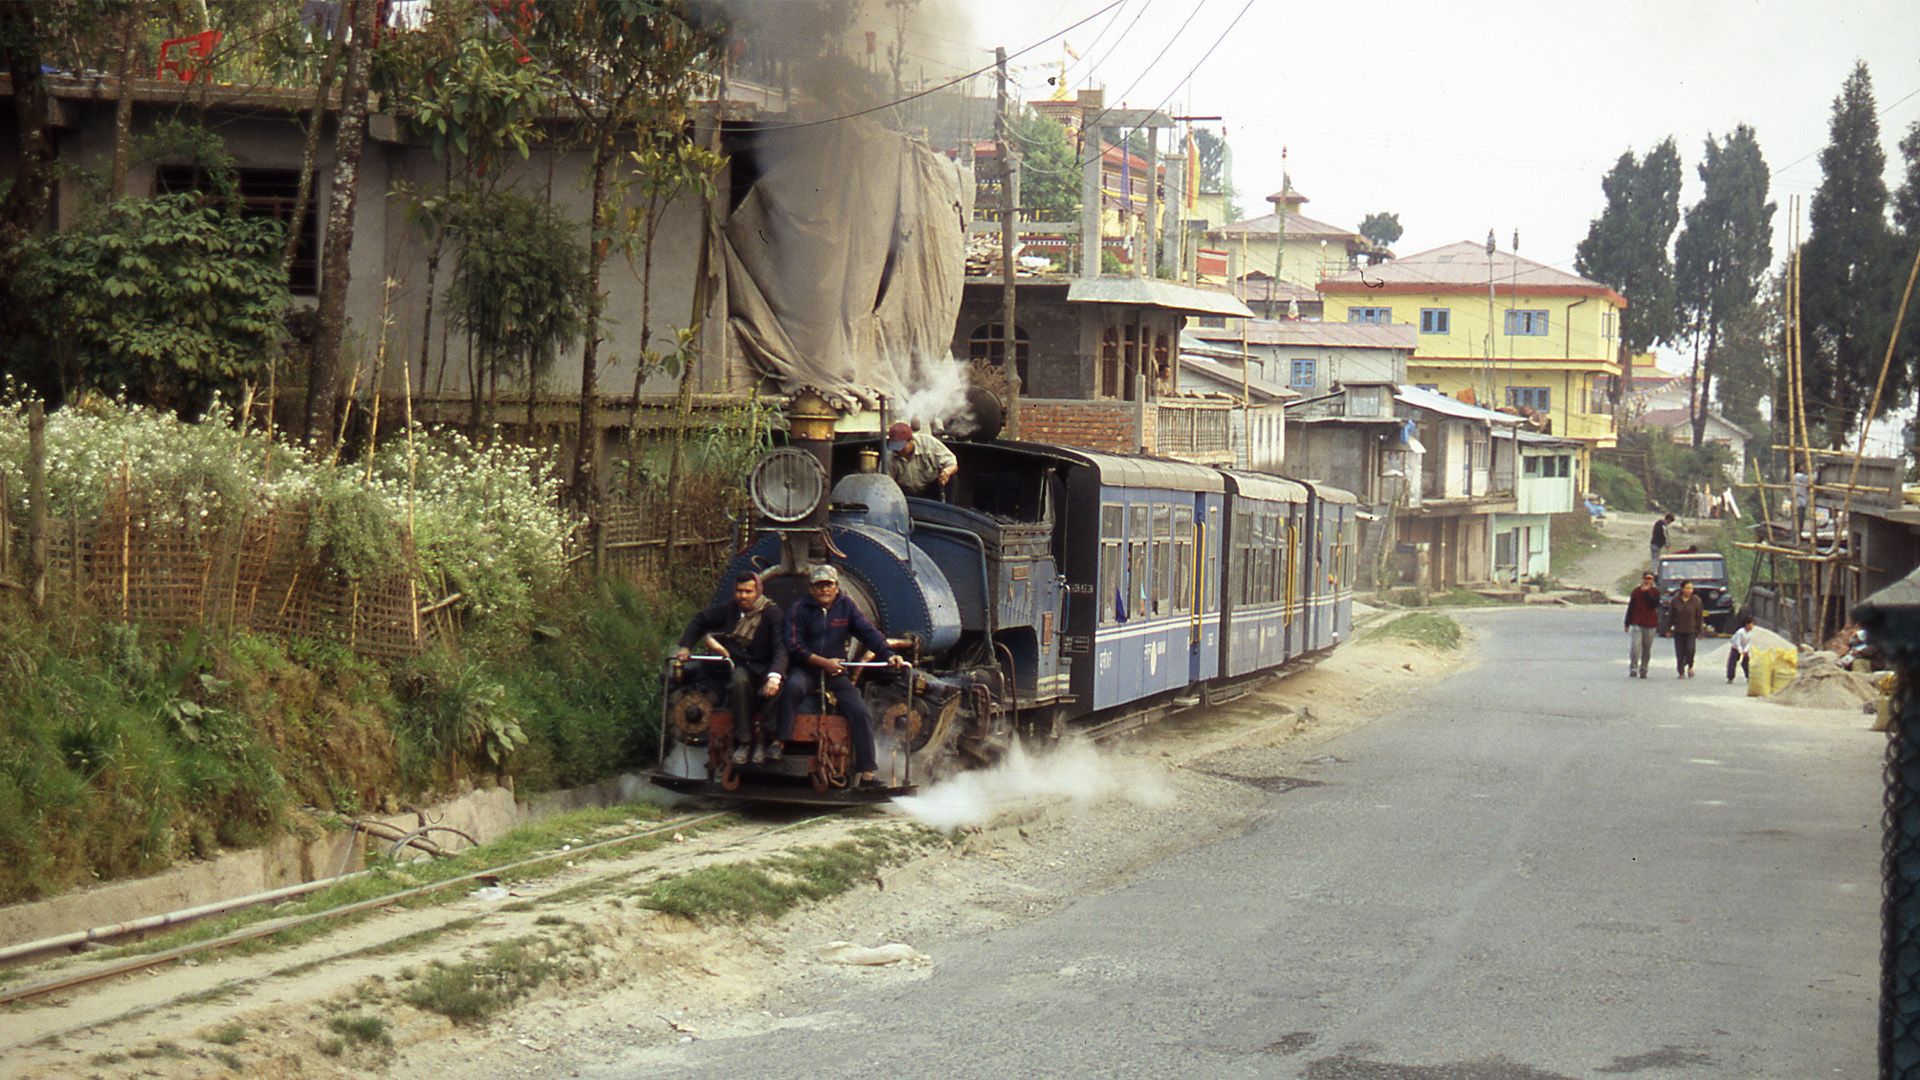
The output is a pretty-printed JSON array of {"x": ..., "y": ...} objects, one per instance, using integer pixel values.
[{"x": 786, "y": 485}]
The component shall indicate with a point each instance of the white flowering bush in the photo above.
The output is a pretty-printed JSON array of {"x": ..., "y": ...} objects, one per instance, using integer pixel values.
[{"x": 486, "y": 520}]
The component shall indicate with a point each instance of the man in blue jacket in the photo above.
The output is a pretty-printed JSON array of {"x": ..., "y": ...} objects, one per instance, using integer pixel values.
[{"x": 817, "y": 632}]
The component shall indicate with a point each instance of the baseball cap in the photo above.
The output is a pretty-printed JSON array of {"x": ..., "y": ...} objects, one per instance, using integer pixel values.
[
  {"x": 822, "y": 573},
  {"x": 898, "y": 436}
]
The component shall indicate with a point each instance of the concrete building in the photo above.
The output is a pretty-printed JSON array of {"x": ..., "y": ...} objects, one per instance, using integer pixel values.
[
  {"x": 1316, "y": 357},
  {"x": 1543, "y": 341},
  {"x": 1291, "y": 246},
  {"x": 1543, "y": 487},
  {"x": 1259, "y": 417}
]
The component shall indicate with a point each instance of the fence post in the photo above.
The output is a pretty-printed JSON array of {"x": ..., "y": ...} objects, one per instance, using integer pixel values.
[{"x": 36, "y": 505}]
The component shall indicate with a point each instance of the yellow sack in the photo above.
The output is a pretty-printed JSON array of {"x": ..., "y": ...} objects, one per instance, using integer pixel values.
[{"x": 1771, "y": 669}]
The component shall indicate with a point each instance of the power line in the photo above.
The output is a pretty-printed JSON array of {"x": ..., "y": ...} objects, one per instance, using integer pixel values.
[
  {"x": 1108, "y": 55},
  {"x": 1095, "y": 124},
  {"x": 949, "y": 83},
  {"x": 1248, "y": 6}
]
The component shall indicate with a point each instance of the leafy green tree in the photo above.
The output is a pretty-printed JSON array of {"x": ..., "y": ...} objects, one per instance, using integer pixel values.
[
  {"x": 1626, "y": 246},
  {"x": 1049, "y": 173},
  {"x": 465, "y": 90},
  {"x": 171, "y": 297},
  {"x": 1722, "y": 252},
  {"x": 1382, "y": 228},
  {"x": 1842, "y": 269},
  {"x": 628, "y": 69},
  {"x": 1748, "y": 365},
  {"x": 520, "y": 290}
]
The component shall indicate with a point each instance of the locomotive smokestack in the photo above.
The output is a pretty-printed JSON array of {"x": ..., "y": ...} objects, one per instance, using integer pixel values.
[{"x": 810, "y": 420}]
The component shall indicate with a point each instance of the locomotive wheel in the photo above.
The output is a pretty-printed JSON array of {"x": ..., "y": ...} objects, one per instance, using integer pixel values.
[
  {"x": 688, "y": 708},
  {"x": 936, "y": 756},
  {"x": 907, "y": 725}
]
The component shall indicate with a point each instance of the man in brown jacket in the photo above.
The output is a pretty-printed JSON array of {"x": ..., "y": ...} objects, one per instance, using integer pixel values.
[
  {"x": 1643, "y": 618},
  {"x": 1686, "y": 616}
]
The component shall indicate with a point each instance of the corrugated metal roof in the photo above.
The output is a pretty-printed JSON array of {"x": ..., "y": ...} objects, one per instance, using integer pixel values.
[
  {"x": 1231, "y": 379},
  {"x": 1266, "y": 486},
  {"x": 1441, "y": 403},
  {"x": 1150, "y": 292},
  {"x": 1534, "y": 438},
  {"x": 1464, "y": 263},
  {"x": 1669, "y": 419},
  {"x": 1331, "y": 494},
  {"x": 1322, "y": 334}
]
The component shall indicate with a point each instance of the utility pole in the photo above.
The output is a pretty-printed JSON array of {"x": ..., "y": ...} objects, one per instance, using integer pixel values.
[
  {"x": 1092, "y": 160},
  {"x": 1009, "y": 215},
  {"x": 1150, "y": 250}
]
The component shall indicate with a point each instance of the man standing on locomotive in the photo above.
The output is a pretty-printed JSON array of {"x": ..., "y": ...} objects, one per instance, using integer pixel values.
[
  {"x": 921, "y": 464},
  {"x": 816, "y": 640},
  {"x": 750, "y": 630}
]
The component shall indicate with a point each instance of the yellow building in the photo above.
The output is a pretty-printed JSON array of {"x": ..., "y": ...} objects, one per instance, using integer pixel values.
[
  {"x": 1314, "y": 250},
  {"x": 1498, "y": 330}
]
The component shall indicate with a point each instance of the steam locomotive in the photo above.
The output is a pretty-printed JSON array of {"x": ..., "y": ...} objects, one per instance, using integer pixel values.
[{"x": 1050, "y": 588}]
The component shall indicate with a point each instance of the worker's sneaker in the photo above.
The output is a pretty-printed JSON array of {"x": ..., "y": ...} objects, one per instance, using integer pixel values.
[
  {"x": 759, "y": 756},
  {"x": 775, "y": 752},
  {"x": 740, "y": 754}
]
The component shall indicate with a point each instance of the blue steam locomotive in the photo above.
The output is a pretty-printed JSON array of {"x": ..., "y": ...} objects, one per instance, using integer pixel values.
[{"x": 1052, "y": 588}]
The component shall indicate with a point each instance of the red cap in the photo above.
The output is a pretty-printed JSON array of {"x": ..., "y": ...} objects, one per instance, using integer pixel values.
[{"x": 899, "y": 433}]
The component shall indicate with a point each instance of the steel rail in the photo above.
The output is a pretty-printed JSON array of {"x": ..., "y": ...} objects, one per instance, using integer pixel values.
[{"x": 274, "y": 926}]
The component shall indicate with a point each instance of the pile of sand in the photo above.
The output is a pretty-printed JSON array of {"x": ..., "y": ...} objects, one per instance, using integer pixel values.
[{"x": 1823, "y": 684}]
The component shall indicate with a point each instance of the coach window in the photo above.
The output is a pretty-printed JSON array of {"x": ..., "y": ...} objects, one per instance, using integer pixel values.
[
  {"x": 1111, "y": 520},
  {"x": 1182, "y": 559},
  {"x": 1262, "y": 556},
  {"x": 1137, "y": 561},
  {"x": 1162, "y": 552},
  {"x": 1242, "y": 548}
]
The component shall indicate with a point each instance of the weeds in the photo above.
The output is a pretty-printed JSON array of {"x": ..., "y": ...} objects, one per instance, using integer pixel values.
[
  {"x": 228, "y": 1034},
  {"x": 769, "y": 888},
  {"x": 362, "y": 1030},
  {"x": 472, "y": 991}
]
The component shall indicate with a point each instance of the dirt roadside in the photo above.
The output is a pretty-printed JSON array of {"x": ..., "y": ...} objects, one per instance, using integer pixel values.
[{"x": 619, "y": 979}]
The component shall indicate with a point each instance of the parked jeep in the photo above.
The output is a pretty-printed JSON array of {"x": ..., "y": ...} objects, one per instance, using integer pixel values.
[{"x": 1708, "y": 572}]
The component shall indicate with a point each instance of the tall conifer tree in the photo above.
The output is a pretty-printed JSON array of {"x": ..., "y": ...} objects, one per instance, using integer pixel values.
[
  {"x": 1722, "y": 254},
  {"x": 1626, "y": 246},
  {"x": 1843, "y": 314}
]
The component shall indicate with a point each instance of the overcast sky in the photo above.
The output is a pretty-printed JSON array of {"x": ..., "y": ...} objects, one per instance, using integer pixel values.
[{"x": 1462, "y": 117}]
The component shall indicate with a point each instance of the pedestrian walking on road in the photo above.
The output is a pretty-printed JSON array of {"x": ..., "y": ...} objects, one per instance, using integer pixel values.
[
  {"x": 1739, "y": 648},
  {"x": 1687, "y": 616},
  {"x": 1643, "y": 618},
  {"x": 1659, "y": 543}
]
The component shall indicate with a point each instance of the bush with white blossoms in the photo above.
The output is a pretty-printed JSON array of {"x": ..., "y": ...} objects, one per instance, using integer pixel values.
[{"x": 486, "y": 519}]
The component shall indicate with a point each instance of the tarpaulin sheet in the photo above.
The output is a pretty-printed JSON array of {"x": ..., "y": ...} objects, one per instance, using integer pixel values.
[{"x": 845, "y": 262}]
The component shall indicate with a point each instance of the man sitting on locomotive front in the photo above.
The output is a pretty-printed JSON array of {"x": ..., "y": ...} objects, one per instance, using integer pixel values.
[
  {"x": 750, "y": 630},
  {"x": 816, "y": 639}
]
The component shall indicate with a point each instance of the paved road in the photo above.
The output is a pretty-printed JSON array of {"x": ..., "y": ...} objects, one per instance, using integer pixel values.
[{"x": 1544, "y": 870}]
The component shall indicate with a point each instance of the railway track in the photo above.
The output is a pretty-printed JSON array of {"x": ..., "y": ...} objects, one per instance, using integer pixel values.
[{"x": 271, "y": 927}]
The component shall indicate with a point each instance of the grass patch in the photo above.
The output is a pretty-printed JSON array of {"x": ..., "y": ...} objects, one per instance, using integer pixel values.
[
  {"x": 157, "y": 1050},
  {"x": 1422, "y": 628},
  {"x": 1457, "y": 597},
  {"x": 231, "y": 1061},
  {"x": 473, "y": 991},
  {"x": 361, "y": 1030},
  {"x": 1571, "y": 538},
  {"x": 228, "y": 1034},
  {"x": 771, "y": 887}
]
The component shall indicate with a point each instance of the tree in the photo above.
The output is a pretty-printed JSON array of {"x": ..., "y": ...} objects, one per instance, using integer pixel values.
[
  {"x": 1906, "y": 220},
  {"x": 170, "y": 297},
  {"x": 1843, "y": 266},
  {"x": 1049, "y": 173},
  {"x": 336, "y": 272},
  {"x": 629, "y": 70},
  {"x": 1747, "y": 368},
  {"x": 520, "y": 290},
  {"x": 1722, "y": 253},
  {"x": 1626, "y": 246},
  {"x": 1381, "y": 228}
]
